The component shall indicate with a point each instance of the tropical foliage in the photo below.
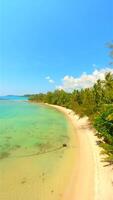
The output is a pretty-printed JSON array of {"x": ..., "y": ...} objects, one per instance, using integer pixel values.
[
  {"x": 95, "y": 102},
  {"x": 104, "y": 125}
]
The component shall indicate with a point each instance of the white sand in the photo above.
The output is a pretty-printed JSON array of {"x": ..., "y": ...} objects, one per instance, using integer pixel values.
[{"x": 90, "y": 179}]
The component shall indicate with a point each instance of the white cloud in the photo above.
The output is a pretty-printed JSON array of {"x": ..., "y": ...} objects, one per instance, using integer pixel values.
[
  {"x": 70, "y": 83},
  {"x": 49, "y": 79}
]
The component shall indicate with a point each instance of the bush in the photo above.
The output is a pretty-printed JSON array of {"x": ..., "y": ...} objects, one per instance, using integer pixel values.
[{"x": 104, "y": 125}]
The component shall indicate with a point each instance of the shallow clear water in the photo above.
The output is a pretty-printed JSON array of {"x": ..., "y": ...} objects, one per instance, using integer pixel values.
[
  {"x": 33, "y": 162},
  {"x": 31, "y": 128}
]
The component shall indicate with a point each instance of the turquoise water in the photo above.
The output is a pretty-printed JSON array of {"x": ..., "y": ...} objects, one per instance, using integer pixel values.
[
  {"x": 34, "y": 162},
  {"x": 12, "y": 97},
  {"x": 27, "y": 129}
]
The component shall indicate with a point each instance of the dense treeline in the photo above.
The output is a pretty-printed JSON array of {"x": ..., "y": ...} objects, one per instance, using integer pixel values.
[{"x": 95, "y": 102}]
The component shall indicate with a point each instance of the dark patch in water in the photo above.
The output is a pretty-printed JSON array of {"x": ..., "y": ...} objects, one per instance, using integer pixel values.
[
  {"x": 23, "y": 181},
  {"x": 4, "y": 155},
  {"x": 36, "y": 144},
  {"x": 17, "y": 146},
  {"x": 7, "y": 145},
  {"x": 8, "y": 137},
  {"x": 64, "y": 145},
  {"x": 43, "y": 174},
  {"x": 43, "y": 147}
]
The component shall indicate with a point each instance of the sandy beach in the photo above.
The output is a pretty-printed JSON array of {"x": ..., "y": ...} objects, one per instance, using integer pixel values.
[
  {"x": 91, "y": 179},
  {"x": 73, "y": 173}
]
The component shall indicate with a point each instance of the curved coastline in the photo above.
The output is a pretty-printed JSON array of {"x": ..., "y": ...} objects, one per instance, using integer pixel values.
[
  {"x": 29, "y": 174},
  {"x": 90, "y": 179},
  {"x": 81, "y": 174}
]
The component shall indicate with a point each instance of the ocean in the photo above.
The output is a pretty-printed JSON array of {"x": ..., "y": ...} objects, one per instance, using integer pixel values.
[
  {"x": 34, "y": 145},
  {"x": 14, "y": 98}
]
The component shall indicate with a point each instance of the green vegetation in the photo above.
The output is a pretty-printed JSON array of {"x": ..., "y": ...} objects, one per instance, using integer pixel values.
[
  {"x": 104, "y": 125},
  {"x": 95, "y": 102}
]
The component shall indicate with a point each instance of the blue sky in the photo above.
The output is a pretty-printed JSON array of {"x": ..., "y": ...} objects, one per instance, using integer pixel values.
[{"x": 52, "y": 38}]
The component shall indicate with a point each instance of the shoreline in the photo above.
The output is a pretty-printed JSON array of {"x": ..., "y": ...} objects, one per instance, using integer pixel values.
[
  {"x": 90, "y": 180},
  {"x": 43, "y": 176}
]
